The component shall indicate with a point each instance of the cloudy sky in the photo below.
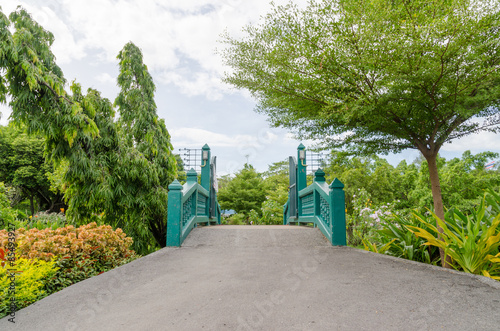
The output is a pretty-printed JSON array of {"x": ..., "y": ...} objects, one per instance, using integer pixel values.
[{"x": 178, "y": 39}]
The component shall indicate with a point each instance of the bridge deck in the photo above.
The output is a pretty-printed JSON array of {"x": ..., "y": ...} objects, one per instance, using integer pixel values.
[{"x": 268, "y": 278}]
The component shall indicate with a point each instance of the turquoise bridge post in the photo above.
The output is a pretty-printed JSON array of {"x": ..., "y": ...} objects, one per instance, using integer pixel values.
[
  {"x": 321, "y": 204},
  {"x": 192, "y": 203}
]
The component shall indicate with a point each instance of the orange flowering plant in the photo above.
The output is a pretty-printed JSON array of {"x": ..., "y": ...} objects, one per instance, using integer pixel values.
[{"x": 79, "y": 253}]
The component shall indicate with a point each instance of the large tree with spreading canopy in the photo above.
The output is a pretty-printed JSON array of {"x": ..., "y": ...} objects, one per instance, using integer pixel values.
[{"x": 375, "y": 76}]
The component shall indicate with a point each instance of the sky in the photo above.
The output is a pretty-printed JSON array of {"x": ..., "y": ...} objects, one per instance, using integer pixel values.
[{"x": 179, "y": 40}]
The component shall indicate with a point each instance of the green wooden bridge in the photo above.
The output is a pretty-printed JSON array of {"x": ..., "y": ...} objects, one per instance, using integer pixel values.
[{"x": 319, "y": 204}]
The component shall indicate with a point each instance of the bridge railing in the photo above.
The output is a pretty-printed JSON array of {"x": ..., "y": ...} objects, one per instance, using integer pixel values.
[
  {"x": 321, "y": 204},
  {"x": 191, "y": 204}
]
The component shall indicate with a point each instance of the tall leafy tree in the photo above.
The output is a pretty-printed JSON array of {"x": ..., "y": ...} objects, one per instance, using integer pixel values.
[
  {"x": 246, "y": 191},
  {"x": 124, "y": 174},
  {"x": 376, "y": 75},
  {"x": 149, "y": 165}
]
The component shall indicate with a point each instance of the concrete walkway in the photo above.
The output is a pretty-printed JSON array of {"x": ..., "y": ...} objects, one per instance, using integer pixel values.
[{"x": 268, "y": 278}]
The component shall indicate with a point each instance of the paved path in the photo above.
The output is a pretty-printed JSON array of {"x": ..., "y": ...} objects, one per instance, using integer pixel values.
[{"x": 268, "y": 278}]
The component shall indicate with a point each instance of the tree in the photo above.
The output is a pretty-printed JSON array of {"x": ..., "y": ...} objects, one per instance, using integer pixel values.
[
  {"x": 23, "y": 165},
  {"x": 375, "y": 175},
  {"x": 376, "y": 76},
  {"x": 276, "y": 182},
  {"x": 244, "y": 192},
  {"x": 153, "y": 166},
  {"x": 464, "y": 180}
]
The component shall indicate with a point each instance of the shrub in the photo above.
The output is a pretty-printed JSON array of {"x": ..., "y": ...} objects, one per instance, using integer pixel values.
[
  {"x": 253, "y": 218},
  {"x": 472, "y": 241},
  {"x": 237, "y": 219},
  {"x": 272, "y": 212},
  {"x": 79, "y": 253},
  {"x": 403, "y": 243},
  {"x": 43, "y": 220},
  {"x": 31, "y": 275},
  {"x": 365, "y": 220}
]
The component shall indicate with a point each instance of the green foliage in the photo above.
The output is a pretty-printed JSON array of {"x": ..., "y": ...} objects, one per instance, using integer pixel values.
[
  {"x": 276, "y": 182},
  {"x": 30, "y": 276},
  {"x": 246, "y": 191},
  {"x": 24, "y": 167},
  {"x": 254, "y": 218},
  {"x": 407, "y": 186},
  {"x": 402, "y": 242},
  {"x": 42, "y": 221},
  {"x": 472, "y": 241},
  {"x": 237, "y": 219},
  {"x": 7, "y": 214},
  {"x": 377, "y": 249},
  {"x": 36, "y": 85},
  {"x": 464, "y": 180},
  {"x": 375, "y": 176},
  {"x": 122, "y": 176},
  {"x": 363, "y": 221},
  {"x": 272, "y": 212},
  {"x": 149, "y": 165},
  {"x": 492, "y": 200}
]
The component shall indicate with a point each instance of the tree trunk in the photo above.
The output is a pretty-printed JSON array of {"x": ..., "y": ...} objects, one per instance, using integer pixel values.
[
  {"x": 159, "y": 233},
  {"x": 438, "y": 202}
]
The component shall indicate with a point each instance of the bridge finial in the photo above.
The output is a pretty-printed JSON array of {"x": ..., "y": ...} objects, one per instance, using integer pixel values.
[
  {"x": 319, "y": 176},
  {"x": 192, "y": 176}
]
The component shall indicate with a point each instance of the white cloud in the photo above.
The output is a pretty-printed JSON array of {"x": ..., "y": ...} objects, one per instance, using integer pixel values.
[
  {"x": 4, "y": 114},
  {"x": 191, "y": 137},
  {"x": 106, "y": 78},
  {"x": 178, "y": 38},
  {"x": 484, "y": 141}
]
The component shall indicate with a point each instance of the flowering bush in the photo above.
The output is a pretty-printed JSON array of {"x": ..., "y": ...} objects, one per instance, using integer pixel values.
[
  {"x": 366, "y": 219},
  {"x": 79, "y": 253}
]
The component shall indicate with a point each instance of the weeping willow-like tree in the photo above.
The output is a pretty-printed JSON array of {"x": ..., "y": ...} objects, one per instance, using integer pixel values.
[{"x": 375, "y": 76}]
